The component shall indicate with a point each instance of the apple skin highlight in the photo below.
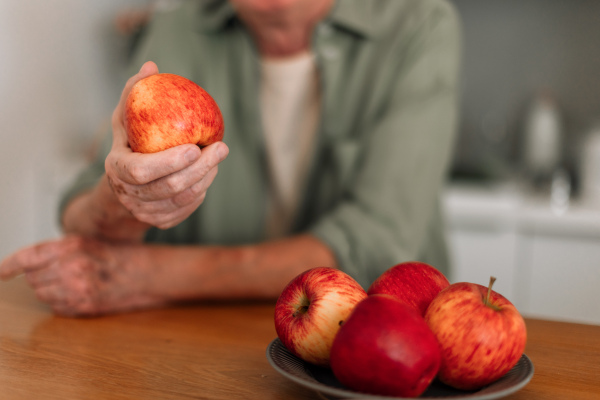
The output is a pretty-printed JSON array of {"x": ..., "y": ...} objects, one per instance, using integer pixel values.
[
  {"x": 167, "y": 110},
  {"x": 310, "y": 310},
  {"x": 480, "y": 343}
]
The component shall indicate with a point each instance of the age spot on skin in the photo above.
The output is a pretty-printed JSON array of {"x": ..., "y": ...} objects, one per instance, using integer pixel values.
[
  {"x": 104, "y": 275},
  {"x": 116, "y": 187}
]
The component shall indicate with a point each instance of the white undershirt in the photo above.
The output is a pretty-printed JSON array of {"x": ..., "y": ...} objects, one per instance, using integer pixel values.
[{"x": 290, "y": 105}]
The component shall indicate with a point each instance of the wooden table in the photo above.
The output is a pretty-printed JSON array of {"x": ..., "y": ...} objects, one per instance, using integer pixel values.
[{"x": 213, "y": 351}]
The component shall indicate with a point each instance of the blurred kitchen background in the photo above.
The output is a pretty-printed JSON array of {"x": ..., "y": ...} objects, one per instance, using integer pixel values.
[{"x": 523, "y": 199}]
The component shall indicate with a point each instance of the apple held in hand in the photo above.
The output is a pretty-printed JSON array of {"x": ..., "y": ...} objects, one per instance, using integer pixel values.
[
  {"x": 310, "y": 310},
  {"x": 385, "y": 348},
  {"x": 481, "y": 334},
  {"x": 415, "y": 283},
  {"x": 167, "y": 110}
]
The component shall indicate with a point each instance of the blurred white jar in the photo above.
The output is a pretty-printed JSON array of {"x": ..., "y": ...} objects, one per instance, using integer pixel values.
[{"x": 543, "y": 137}]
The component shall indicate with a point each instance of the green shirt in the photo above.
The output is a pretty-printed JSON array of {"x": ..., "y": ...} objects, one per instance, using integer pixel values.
[{"x": 388, "y": 74}]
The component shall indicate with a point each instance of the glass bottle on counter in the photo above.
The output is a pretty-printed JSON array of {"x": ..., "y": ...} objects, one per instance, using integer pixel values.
[{"x": 543, "y": 140}]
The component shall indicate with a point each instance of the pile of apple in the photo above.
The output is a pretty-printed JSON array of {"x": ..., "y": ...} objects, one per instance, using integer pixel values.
[{"x": 410, "y": 327}]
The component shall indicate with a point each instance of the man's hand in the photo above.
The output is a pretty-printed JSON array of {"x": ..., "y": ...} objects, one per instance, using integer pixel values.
[
  {"x": 84, "y": 277},
  {"x": 79, "y": 276},
  {"x": 164, "y": 188}
]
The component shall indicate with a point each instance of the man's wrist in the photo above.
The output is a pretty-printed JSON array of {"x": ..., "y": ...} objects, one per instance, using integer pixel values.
[
  {"x": 112, "y": 220},
  {"x": 99, "y": 214}
]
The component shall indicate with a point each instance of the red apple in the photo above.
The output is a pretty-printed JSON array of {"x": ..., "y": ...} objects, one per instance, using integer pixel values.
[
  {"x": 385, "y": 348},
  {"x": 311, "y": 309},
  {"x": 167, "y": 110},
  {"x": 415, "y": 283},
  {"x": 481, "y": 334}
]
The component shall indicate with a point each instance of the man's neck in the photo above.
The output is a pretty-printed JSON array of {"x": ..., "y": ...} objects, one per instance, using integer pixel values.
[
  {"x": 285, "y": 33},
  {"x": 276, "y": 42}
]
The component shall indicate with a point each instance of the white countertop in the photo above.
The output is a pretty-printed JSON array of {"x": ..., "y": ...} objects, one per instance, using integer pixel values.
[{"x": 510, "y": 206}]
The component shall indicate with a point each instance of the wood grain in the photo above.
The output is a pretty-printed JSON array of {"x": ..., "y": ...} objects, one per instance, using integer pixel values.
[
  {"x": 566, "y": 358},
  {"x": 212, "y": 351}
]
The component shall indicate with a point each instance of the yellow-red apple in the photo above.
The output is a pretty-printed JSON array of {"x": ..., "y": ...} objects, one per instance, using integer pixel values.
[
  {"x": 481, "y": 334},
  {"x": 311, "y": 309},
  {"x": 167, "y": 110}
]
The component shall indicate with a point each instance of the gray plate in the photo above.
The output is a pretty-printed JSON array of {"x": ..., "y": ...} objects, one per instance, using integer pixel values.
[{"x": 324, "y": 382}]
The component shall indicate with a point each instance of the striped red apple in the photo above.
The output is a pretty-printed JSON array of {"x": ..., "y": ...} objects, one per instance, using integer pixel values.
[
  {"x": 311, "y": 309},
  {"x": 481, "y": 334},
  {"x": 414, "y": 283},
  {"x": 166, "y": 110}
]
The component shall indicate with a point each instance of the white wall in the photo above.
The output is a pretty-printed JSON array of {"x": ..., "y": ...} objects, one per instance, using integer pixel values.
[{"x": 61, "y": 73}]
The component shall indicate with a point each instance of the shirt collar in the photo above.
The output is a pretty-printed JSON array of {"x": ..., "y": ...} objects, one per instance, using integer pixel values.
[
  {"x": 213, "y": 15},
  {"x": 354, "y": 16},
  {"x": 350, "y": 15}
]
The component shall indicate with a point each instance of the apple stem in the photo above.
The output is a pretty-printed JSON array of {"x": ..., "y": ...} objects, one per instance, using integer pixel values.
[{"x": 489, "y": 291}]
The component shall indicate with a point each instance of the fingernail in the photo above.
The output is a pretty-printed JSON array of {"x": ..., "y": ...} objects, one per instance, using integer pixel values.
[{"x": 191, "y": 155}]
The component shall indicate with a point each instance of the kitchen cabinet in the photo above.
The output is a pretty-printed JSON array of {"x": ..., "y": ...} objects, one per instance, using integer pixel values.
[
  {"x": 547, "y": 264},
  {"x": 561, "y": 277},
  {"x": 478, "y": 254},
  {"x": 483, "y": 236}
]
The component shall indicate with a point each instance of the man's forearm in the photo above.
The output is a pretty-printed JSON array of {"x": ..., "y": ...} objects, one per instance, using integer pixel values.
[
  {"x": 244, "y": 272},
  {"x": 99, "y": 214}
]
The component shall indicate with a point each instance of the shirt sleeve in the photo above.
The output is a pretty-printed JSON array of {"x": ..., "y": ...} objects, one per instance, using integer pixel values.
[
  {"x": 88, "y": 178},
  {"x": 392, "y": 206}
]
